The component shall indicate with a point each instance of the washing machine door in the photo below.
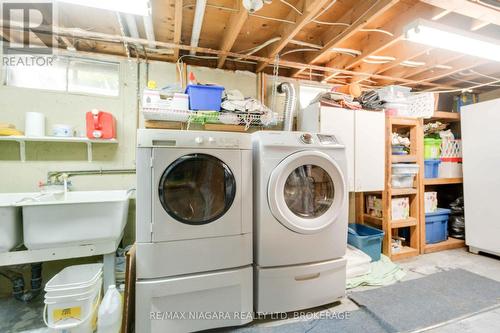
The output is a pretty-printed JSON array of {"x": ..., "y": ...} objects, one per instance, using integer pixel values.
[
  {"x": 196, "y": 194},
  {"x": 306, "y": 192}
]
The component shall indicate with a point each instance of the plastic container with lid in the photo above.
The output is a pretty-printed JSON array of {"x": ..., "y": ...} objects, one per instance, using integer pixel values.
[
  {"x": 431, "y": 168},
  {"x": 204, "y": 98},
  {"x": 432, "y": 148},
  {"x": 436, "y": 226},
  {"x": 394, "y": 94},
  {"x": 405, "y": 169}
]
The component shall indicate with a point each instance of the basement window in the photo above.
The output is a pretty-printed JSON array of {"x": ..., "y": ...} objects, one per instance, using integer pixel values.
[
  {"x": 72, "y": 75},
  {"x": 308, "y": 93}
]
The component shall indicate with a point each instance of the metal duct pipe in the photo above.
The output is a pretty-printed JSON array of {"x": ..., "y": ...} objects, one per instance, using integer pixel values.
[
  {"x": 17, "y": 280},
  {"x": 290, "y": 101}
]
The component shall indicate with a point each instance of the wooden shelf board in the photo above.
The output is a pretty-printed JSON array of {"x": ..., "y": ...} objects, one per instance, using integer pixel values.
[
  {"x": 442, "y": 181},
  {"x": 403, "y": 158},
  {"x": 404, "y": 121},
  {"x": 451, "y": 243},
  {"x": 22, "y": 138},
  {"x": 445, "y": 116},
  {"x": 405, "y": 252},
  {"x": 409, "y": 222},
  {"x": 372, "y": 219},
  {"x": 403, "y": 191}
]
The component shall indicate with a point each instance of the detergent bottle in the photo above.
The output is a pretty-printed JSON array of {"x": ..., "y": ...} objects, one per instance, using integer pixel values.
[{"x": 109, "y": 318}]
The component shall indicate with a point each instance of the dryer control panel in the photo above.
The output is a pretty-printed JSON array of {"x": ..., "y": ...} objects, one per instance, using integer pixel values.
[{"x": 327, "y": 139}]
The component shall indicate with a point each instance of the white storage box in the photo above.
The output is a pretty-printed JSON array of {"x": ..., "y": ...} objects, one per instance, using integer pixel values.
[
  {"x": 402, "y": 181},
  {"x": 74, "y": 218},
  {"x": 430, "y": 202},
  {"x": 403, "y": 175},
  {"x": 450, "y": 170},
  {"x": 11, "y": 228},
  {"x": 291, "y": 288},
  {"x": 400, "y": 209},
  {"x": 404, "y": 169},
  {"x": 161, "y": 303}
]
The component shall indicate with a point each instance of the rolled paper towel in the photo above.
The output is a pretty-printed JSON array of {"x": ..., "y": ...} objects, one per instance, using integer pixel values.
[{"x": 34, "y": 124}]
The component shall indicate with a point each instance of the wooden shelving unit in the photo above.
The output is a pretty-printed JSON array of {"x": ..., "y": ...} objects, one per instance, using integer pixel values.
[
  {"x": 451, "y": 243},
  {"x": 391, "y": 227}
]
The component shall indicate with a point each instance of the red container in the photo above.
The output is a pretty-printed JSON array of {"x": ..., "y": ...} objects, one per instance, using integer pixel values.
[{"x": 100, "y": 125}]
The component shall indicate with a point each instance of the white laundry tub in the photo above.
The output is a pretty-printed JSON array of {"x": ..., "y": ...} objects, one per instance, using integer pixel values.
[
  {"x": 74, "y": 218},
  {"x": 11, "y": 228}
]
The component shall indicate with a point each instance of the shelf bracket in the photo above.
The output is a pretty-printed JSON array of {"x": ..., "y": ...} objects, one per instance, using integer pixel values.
[
  {"x": 89, "y": 152},
  {"x": 22, "y": 151}
]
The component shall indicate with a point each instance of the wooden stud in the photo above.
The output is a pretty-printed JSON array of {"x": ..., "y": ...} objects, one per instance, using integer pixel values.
[
  {"x": 177, "y": 26},
  {"x": 233, "y": 28}
]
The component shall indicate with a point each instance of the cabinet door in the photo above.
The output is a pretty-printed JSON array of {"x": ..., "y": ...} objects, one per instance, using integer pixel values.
[
  {"x": 340, "y": 122},
  {"x": 370, "y": 151}
]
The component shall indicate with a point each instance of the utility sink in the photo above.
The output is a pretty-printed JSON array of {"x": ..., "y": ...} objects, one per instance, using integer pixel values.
[
  {"x": 74, "y": 218},
  {"x": 11, "y": 228}
]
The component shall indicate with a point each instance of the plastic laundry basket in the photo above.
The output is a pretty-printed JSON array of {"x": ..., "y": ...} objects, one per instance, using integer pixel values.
[{"x": 367, "y": 239}]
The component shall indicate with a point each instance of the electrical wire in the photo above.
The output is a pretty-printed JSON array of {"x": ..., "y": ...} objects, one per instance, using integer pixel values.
[
  {"x": 298, "y": 50},
  {"x": 378, "y": 30},
  {"x": 291, "y": 6},
  {"x": 324, "y": 10}
]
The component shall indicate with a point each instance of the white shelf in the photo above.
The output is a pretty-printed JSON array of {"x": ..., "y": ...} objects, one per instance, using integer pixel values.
[{"x": 23, "y": 139}]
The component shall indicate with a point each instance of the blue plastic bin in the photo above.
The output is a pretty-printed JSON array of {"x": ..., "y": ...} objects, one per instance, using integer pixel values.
[
  {"x": 431, "y": 169},
  {"x": 206, "y": 98},
  {"x": 367, "y": 239},
  {"x": 436, "y": 226}
]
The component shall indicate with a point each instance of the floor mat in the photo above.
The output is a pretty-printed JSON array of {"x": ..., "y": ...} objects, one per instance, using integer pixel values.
[
  {"x": 355, "y": 322},
  {"x": 430, "y": 300}
]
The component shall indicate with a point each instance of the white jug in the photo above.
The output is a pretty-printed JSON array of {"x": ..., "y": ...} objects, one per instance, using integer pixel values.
[{"x": 109, "y": 318}]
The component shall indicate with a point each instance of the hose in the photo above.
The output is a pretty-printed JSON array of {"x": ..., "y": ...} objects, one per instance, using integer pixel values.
[
  {"x": 17, "y": 280},
  {"x": 289, "y": 90}
]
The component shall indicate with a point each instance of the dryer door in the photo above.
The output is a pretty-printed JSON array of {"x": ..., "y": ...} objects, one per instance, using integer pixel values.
[
  {"x": 196, "y": 194},
  {"x": 307, "y": 191}
]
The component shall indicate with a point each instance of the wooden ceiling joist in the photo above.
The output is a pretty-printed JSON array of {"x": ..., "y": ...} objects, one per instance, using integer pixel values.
[
  {"x": 232, "y": 30},
  {"x": 177, "y": 26},
  {"x": 361, "y": 13},
  {"x": 310, "y": 8},
  {"x": 374, "y": 43},
  {"x": 468, "y": 8}
]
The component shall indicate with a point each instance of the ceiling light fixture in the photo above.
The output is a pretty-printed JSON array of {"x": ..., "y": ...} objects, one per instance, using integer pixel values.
[
  {"x": 449, "y": 38},
  {"x": 136, "y": 7}
]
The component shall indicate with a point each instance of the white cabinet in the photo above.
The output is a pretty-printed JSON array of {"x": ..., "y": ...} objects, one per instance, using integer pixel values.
[
  {"x": 369, "y": 150},
  {"x": 363, "y": 134}
]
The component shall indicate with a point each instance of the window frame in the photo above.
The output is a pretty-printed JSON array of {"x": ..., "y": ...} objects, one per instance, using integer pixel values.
[{"x": 66, "y": 91}]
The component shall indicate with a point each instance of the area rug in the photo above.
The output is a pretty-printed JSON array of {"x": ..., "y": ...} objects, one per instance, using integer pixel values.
[{"x": 428, "y": 301}]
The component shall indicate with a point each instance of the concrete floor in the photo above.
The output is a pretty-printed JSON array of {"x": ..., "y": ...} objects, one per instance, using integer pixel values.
[{"x": 485, "y": 322}]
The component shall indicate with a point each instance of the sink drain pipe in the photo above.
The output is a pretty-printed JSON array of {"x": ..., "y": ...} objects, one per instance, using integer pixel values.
[{"x": 18, "y": 287}]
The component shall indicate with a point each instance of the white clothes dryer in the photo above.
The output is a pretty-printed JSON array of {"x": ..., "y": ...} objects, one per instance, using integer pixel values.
[{"x": 300, "y": 220}]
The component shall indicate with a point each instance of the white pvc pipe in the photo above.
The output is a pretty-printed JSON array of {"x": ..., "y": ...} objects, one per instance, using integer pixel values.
[{"x": 199, "y": 13}]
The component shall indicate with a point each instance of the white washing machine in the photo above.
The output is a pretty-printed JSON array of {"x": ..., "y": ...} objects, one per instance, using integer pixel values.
[
  {"x": 193, "y": 230},
  {"x": 300, "y": 220}
]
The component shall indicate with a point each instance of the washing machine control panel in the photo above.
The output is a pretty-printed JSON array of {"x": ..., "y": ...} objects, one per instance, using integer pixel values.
[
  {"x": 215, "y": 142},
  {"x": 327, "y": 139}
]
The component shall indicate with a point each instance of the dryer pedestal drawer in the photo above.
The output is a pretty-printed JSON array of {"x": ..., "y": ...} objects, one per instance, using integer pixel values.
[
  {"x": 291, "y": 288},
  {"x": 194, "y": 302},
  {"x": 159, "y": 260}
]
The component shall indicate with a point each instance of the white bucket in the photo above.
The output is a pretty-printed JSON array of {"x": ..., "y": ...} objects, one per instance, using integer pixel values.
[
  {"x": 73, "y": 313},
  {"x": 72, "y": 299}
]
